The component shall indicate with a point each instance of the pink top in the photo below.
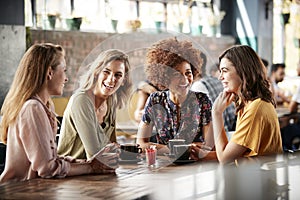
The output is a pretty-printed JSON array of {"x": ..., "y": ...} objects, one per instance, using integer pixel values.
[{"x": 31, "y": 147}]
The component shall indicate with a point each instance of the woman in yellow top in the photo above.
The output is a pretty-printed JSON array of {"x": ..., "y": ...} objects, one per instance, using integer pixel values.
[{"x": 257, "y": 132}]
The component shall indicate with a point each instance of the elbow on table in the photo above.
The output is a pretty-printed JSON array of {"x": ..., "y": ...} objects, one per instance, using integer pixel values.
[{"x": 223, "y": 160}]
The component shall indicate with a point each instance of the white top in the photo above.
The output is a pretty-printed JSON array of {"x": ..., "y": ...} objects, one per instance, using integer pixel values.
[
  {"x": 198, "y": 86},
  {"x": 296, "y": 96}
]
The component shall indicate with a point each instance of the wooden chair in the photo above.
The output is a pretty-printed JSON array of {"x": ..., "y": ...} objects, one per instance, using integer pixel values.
[{"x": 60, "y": 104}]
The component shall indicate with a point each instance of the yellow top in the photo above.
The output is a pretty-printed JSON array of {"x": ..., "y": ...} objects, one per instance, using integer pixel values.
[{"x": 258, "y": 129}]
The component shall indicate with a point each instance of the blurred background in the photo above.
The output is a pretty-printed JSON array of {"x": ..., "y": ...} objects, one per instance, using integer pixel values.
[{"x": 270, "y": 27}]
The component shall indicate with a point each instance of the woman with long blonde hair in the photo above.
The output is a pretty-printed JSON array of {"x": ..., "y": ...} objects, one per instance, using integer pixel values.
[
  {"x": 29, "y": 126},
  {"x": 89, "y": 121}
]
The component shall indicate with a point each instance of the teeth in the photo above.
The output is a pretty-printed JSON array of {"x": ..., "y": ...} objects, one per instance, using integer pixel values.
[
  {"x": 108, "y": 86},
  {"x": 184, "y": 85}
]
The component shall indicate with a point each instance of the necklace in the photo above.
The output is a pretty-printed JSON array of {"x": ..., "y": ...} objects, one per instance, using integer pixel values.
[{"x": 102, "y": 107}]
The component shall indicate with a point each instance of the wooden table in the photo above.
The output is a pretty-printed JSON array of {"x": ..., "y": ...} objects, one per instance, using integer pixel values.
[
  {"x": 131, "y": 181},
  {"x": 272, "y": 178}
]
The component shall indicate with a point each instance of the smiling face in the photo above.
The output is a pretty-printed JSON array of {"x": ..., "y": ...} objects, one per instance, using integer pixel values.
[
  {"x": 229, "y": 77},
  {"x": 181, "y": 79},
  {"x": 58, "y": 78},
  {"x": 110, "y": 78}
]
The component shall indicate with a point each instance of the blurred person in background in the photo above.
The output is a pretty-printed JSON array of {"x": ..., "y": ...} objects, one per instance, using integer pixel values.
[
  {"x": 295, "y": 101},
  {"x": 144, "y": 89},
  {"x": 277, "y": 76},
  {"x": 214, "y": 87}
]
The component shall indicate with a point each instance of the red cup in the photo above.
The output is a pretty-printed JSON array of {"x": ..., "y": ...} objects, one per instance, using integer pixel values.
[{"x": 151, "y": 156}]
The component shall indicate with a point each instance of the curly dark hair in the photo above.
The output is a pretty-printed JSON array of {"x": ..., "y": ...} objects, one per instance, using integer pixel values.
[{"x": 165, "y": 55}]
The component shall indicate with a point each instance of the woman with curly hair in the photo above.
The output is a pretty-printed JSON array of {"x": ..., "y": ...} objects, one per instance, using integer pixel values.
[
  {"x": 89, "y": 121},
  {"x": 245, "y": 82},
  {"x": 176, "y": 112}
]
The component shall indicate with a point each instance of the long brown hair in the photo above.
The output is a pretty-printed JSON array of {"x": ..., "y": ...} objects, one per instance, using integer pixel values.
[
  {"x": 252, "y": 72},
  {"x": 29, "y": 79}
]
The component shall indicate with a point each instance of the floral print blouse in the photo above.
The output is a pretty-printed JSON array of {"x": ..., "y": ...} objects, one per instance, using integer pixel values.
[{"x": 194, "y": 113}]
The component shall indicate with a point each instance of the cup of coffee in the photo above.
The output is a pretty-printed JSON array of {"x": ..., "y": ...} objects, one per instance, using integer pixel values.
[
  {"x": 173, "y": 142},
  {"x": 182, "y": 151},
  {"x": 130, "y": 151}
]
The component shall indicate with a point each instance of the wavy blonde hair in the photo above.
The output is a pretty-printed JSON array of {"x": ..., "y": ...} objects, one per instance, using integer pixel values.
[
  {"x": 29, "y": 79},
  {"x": 88, "y": 80}
]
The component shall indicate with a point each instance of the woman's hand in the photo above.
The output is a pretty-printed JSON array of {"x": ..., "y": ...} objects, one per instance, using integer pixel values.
[
  {"x": 162, "y": 149},
  {"x": 199, "y": 151},
  {"x": 223, "y": 100},
  {"x": 112, "y": 147},
  {"x": 106, "y": 160}
]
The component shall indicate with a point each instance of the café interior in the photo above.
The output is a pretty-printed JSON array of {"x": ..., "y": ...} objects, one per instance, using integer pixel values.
[{"x": 86, "y": 28}]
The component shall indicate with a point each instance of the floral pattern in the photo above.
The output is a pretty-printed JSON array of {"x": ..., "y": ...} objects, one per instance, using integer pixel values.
[{"x": 195, "y": 113}]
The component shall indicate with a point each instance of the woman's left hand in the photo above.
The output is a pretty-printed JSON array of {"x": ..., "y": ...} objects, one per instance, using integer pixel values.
[
  {"x": 106, "y": 160},
  {"x": 223, "y": 100},
  {"x": 112, "y": 147},
  {"x": 199, "y": 151}
]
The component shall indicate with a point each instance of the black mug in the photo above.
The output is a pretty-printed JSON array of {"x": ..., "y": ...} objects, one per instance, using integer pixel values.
[{"x": 130, "y": 151}]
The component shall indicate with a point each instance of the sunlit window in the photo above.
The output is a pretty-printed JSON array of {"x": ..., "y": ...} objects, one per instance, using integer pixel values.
[
  {"x": 124, "y": 15},
  {"x": 286, "y": 34}
]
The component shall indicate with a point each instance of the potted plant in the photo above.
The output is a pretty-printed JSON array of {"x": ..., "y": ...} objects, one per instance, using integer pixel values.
[
  {"x": 114, "y": 23},
  {"x": 214, "y": 21},
  {"x": 285, "y": 15},
  {"x": 74, "y": 23},
  {"x": 158, "y": 26},
  {"x": 52, "y": 20},
  {"x": 135, "y": 24}
]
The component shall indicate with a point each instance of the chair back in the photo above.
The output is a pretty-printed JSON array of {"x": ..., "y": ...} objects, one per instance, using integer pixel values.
[
  {"x": 2, "y": 156},
  {"x": 290, "y": 131}
]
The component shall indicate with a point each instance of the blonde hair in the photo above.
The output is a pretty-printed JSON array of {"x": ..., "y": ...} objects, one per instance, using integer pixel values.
[
  {"x": 88, "y": 80},
  {"x": 29, "y": 79}
]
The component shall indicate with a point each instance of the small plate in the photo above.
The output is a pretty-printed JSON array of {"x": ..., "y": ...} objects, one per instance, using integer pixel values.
[
  {"x": 181, "y": 162},
  {"x": 129, "y": 161}
]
